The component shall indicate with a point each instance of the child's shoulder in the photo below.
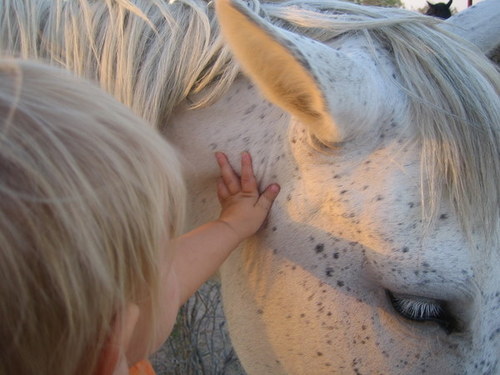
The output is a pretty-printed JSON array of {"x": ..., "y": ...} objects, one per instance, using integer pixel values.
[{"x": 142, "y": 368}]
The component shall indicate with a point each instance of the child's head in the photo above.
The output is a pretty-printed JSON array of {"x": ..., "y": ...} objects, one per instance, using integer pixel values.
[{"x": 89, "y": 195}]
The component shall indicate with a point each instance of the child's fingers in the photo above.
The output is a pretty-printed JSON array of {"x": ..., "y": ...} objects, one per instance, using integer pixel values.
[
  {"x": 231, "y": 180},
  {"x": 267, "y": 198},
  {"x": 222, "y": 192},
  {"x": 248, "y": 182}
]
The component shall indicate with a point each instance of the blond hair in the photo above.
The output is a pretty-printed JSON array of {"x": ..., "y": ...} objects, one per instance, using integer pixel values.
[{"x": 89, "y": 194}]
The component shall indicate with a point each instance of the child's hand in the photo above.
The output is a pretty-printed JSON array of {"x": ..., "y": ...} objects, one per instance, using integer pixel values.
[{"x": 244, "y": 209}]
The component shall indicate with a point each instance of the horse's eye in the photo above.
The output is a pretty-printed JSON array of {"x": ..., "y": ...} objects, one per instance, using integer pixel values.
[{"x": 420, "y": 309}]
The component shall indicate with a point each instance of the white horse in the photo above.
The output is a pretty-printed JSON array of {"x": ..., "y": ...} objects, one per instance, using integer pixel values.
[{"x": 381, "y": 254}]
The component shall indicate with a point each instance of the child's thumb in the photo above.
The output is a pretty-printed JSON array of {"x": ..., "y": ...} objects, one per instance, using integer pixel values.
[{"x": 267, "y": 198}]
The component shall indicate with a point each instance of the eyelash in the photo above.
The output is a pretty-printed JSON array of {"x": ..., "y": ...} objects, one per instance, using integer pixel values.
[{"x": 420, "y": 309}]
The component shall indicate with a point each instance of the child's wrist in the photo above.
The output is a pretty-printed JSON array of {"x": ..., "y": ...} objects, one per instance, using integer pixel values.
[{"x": 230, "y": 229}]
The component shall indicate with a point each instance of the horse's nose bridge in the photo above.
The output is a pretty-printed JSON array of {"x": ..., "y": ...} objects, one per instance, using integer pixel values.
[{"x": 485, "y": 331}]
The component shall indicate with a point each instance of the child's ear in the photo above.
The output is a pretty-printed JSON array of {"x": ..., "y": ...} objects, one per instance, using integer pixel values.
[{"x": 112, "y": 359}]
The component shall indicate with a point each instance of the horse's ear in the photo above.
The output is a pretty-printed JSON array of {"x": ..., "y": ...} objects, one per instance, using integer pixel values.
[
  {"x": 449, "y": 3},
  {"x": 306, "y": 78},
  {"x": 478, "y": 24}
]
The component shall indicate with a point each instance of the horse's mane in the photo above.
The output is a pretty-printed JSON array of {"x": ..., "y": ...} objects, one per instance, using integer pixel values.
[{"x": 152, "y": 55}]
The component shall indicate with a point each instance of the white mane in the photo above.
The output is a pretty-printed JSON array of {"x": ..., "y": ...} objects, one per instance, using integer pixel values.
[{"x": 152, "y": 55}]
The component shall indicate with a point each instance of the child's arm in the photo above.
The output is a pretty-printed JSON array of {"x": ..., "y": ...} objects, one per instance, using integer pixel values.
[{"x": 200, "y": 252}]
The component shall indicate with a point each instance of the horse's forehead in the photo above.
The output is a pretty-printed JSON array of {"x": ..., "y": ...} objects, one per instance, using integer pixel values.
[{"x": 368, "y": 204}]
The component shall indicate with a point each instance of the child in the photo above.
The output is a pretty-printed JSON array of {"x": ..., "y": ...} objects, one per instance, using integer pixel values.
[{"x": 90, "y": 199}]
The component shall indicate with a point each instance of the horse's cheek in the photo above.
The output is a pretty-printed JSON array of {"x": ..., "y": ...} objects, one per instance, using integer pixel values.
[{"x": 266, "y": 294}]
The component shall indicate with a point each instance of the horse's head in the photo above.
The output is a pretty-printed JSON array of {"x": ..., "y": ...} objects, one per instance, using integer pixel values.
[
  {"x": 381, "y": 255},
  {"x": 440, "y": 10}
]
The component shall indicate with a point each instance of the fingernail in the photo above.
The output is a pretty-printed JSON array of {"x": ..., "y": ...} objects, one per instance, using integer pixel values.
[{"x": 275, "y": 188}]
